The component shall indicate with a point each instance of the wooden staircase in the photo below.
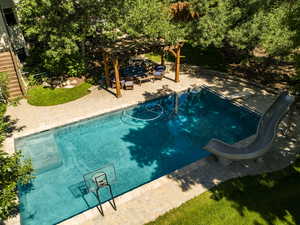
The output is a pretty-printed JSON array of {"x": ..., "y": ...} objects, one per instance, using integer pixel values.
[{"x": 7, "y": 65}]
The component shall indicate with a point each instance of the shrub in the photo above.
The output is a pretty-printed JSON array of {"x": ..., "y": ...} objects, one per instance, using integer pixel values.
[
  {"x": 3, "y": 124},
  {"x": 3, "y": 86},
  {"x": 296, "y": 86},
  {"x": 12, "y": 173},
  {"x": 76, "y": 68}
]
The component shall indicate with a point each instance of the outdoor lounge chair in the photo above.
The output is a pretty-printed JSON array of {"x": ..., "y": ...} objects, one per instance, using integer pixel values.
[{"x": 264, "y": 137}]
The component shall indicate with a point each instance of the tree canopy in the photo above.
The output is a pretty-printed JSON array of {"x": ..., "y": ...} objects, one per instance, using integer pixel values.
[
  {"x": 59, "y": 31},
  {"x": 246, "y": 24}
]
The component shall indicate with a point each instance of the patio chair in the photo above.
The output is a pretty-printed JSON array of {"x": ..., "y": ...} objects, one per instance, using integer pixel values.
[
  {"x": 157, "y": 75},
  {"x": 128, "y": 85},
  {"x": 264, "y": 137},
  {"x": 113, "y": 83},
  {"x": 158, "y": 72}
]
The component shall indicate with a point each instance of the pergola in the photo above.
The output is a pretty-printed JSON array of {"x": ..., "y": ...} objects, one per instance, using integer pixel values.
[{"x": 123, "y": 48}]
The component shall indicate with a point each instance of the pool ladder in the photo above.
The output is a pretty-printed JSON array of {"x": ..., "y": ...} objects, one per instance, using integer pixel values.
[{"x": 102, "y": 182}]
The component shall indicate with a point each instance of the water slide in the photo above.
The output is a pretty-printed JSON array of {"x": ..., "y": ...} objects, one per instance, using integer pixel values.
[{"x": 262, "y": 140}]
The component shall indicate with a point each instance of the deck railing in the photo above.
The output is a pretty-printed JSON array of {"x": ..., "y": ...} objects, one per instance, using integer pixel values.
[{"x": 17, "y": 65}]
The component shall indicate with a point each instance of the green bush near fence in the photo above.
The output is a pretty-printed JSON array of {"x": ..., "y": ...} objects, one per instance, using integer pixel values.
[{"x": 3, "y": 85}]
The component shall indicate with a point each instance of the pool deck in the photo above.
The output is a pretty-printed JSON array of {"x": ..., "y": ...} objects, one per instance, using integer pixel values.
[{"x": 151, "y": 200}]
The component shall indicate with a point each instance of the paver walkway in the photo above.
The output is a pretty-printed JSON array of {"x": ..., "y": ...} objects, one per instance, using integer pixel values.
[{"x": 157, "y": 197}]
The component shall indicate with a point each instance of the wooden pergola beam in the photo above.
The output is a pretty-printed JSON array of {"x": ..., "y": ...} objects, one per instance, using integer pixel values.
[
  {"x": 173, "y": 52},
  {"x": 117, "y": 76},
  {"x": 124, "y": 48}
]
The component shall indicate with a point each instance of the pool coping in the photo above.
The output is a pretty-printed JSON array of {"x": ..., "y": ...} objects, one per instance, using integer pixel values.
[
  {"x": 149, "y": 185},
  {"x": 138, "y": 191},
  {"x": 132, "y": 194},
  {"x": 232, "y": 101},
  {"x": 130, "y": 105}
]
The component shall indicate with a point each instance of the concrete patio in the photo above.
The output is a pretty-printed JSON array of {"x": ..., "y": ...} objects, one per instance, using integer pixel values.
[{"x": 159, "y": 196}]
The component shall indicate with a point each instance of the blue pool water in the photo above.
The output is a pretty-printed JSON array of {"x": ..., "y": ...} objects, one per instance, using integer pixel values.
[{"x": 143, "y": 143}]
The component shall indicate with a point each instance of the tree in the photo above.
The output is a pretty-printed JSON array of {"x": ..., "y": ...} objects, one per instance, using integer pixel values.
[
  {"x": 150, "y": 18},
  {"x": 246, "y": 24},
  {"x": 59, "y": 31},
  {"x": 12, "y": 174}
]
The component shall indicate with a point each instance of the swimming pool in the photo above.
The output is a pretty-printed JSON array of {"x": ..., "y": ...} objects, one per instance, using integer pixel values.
[{"x": 142, "y": 143}]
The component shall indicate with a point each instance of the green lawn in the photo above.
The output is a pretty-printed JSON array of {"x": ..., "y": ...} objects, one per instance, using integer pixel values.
[
  {"x": 269, "y": 199},
  {"x": 153, "y": 56},
  {"x": 40, "y": 96}
]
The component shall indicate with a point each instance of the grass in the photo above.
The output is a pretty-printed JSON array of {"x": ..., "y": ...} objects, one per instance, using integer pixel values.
[
  {"x": 210, "y": 58},
  {"x": 40, "y": 96},
  {"x": 153, "y": 56},
  {"x": 268, "y": 199}
]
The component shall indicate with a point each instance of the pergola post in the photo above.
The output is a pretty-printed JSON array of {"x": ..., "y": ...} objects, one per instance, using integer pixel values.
[
  {"x": 162, "y": 58},
  {"x": 175, "y": 50},
  {"x": 106, "y": 69},
  {"x": 117, "y": 76},
  {"x": 177, "y": 64}
]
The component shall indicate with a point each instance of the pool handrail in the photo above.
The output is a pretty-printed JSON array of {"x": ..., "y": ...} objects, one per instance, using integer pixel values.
[{"x": 264, "y": 137}]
